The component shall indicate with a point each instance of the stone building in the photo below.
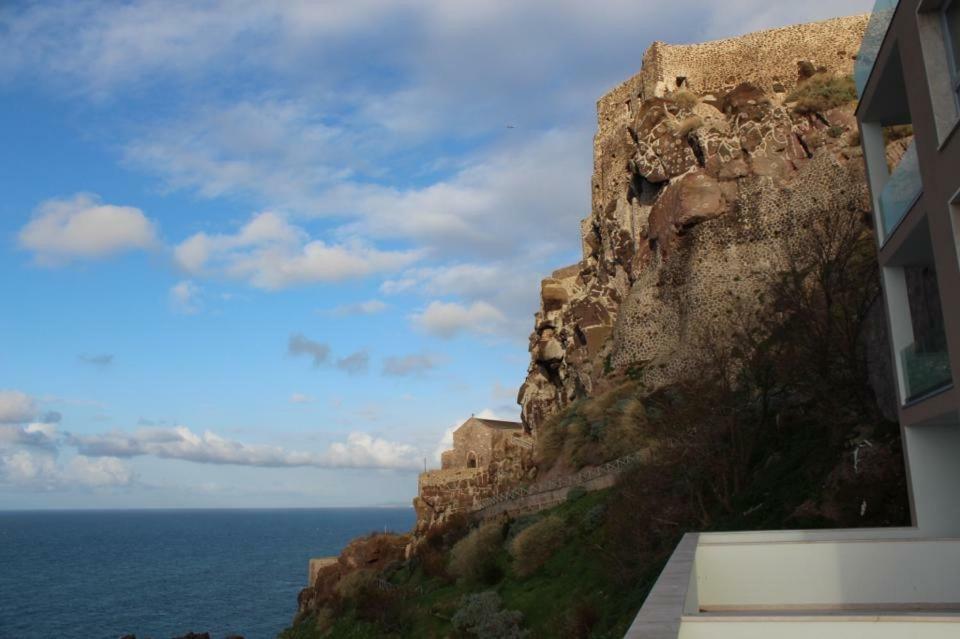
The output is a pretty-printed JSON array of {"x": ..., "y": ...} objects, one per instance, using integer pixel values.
[
  {"x": 477, "y": 440},
  {"x": 488, "y": 457}
]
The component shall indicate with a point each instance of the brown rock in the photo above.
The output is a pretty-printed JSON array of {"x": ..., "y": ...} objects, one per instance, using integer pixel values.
[
  {"x": 745, "y": 100},
  {"x": 694, "y": 198}
]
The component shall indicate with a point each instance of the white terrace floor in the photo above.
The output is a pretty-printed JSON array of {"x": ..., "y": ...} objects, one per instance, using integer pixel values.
[{"x": 854, "y": 584}]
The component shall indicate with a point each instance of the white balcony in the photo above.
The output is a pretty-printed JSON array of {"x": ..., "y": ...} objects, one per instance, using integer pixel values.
[{"x": 874, "y": 583}]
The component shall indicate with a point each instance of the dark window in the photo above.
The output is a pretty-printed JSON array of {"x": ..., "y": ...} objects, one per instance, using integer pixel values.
[{"x": 951, "y": 28}]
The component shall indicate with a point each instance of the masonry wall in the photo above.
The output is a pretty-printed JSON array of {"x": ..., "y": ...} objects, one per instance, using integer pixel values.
[{"x": 767, "y": 59}]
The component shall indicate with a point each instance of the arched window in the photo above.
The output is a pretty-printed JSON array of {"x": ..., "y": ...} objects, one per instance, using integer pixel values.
[{"x": 471, "y": 459}]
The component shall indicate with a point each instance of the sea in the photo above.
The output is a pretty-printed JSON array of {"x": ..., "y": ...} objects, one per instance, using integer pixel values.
[{"x": 163, "y": 573}]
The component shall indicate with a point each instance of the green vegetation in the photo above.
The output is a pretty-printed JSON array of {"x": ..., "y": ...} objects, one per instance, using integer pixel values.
[
  {"x": 482, "y": 616},
  {"x": 822, "y": 92},
  {"x": 474, "y": 558},
  {"x": 534, "y": 545}
]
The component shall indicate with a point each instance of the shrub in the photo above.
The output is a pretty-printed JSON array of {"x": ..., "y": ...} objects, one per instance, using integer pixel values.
[
  {"x": 822, "y": 92},
  {"x": 684, "y": 99},
  {"x": 474, "y": 558},
  {"x": 482, "y": 615},
  {"x": 536, "y": 544},
  {"x": 431, "y": 555},
  {"x": 520, "y": 524},
  {"x": 575, "y": 493},
  {"x": 356, "y": 584},
  {"x": 594, "y": 517},
  {"x": 581, "y": 620},
  {"x": 372, "y": 603}
]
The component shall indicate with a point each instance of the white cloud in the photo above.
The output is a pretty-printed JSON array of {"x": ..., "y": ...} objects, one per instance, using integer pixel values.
[
  {"x": 301, "y": 398},
  {"x": 16, "y": 407},
  {"x": 41, "y": 471},
  {"x": 185, "y": 297},
  {"x": 65, "y": 230},
  {"x": 445, "y": 443},
  {"x": 270, "y": 253},
  {"x": 498, "y": 414},
  {"x": 447, "y": 319},
  {"x": 359, "y": 451},
  {"x": 364, "y": 451},
  {"x": 98, "y": 472}
]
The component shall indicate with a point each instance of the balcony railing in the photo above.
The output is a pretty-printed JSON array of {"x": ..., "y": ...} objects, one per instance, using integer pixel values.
[
  {"x": 925, "y": 371},
  {"x": 901, "y": 190},
  {"x": 872, "y": 40}
]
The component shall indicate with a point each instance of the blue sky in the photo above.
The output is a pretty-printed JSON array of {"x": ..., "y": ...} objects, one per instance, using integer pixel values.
[{"x": 268, "y": 254}]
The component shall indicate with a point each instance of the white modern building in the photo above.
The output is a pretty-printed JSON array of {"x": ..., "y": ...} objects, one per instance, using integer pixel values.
[{"x": 901, "y": 583}]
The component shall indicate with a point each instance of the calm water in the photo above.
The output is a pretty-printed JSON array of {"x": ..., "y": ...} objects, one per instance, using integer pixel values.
[{"x": 91, "y": 575}]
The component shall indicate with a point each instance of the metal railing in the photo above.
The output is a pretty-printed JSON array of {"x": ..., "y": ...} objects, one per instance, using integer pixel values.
[{"x": 577, "y": 479}]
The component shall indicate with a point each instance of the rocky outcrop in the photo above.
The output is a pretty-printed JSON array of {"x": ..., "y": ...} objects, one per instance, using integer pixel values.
[
  {"x": 373, "y": 553},
  {"x": 701, "y": 169}
]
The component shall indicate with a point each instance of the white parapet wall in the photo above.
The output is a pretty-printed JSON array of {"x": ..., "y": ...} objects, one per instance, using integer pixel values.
[
  {"x": 885, "y": 583},
  {"x": 846, "y": 574},
  {"x": 835, "y": 627}
]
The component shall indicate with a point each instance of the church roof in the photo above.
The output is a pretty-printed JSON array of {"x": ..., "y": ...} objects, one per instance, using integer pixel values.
[{"x": 494, "y": 423}]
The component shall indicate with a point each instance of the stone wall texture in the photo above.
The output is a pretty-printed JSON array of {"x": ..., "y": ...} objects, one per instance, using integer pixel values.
[{"x": 702, "y": 171}]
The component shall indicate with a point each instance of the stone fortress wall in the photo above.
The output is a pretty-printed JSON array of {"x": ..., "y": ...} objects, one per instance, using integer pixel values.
[
  {"x": 766, "y": 59},
  {"x": 689, "y": 197}
]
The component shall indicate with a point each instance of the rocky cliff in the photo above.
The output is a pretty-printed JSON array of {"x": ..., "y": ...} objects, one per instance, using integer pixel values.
[{"x": 704, "y": 162}]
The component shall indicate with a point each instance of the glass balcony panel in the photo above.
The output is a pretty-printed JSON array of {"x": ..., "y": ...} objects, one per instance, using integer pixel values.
[
  {"x": 872, "y": 40},
  {"x": 924, "y": 371},
  {"x": 924, "y": 362},
  {"x": 901, "y": 190}
]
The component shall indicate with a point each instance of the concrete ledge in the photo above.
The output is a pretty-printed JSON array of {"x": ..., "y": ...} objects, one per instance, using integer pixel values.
[{"x": 660, "y": 616}]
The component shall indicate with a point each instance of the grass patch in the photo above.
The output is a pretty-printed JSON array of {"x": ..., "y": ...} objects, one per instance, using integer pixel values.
[
  {"x": 594, "y": 431},
  {"x": 822, "y": 92},
  {"x": 684, "y": 99}
]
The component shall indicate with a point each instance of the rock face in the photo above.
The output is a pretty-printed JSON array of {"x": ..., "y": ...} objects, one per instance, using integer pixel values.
[
  {"x": 373, "y": 553},
  {"x": 701, "y": 169}
]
